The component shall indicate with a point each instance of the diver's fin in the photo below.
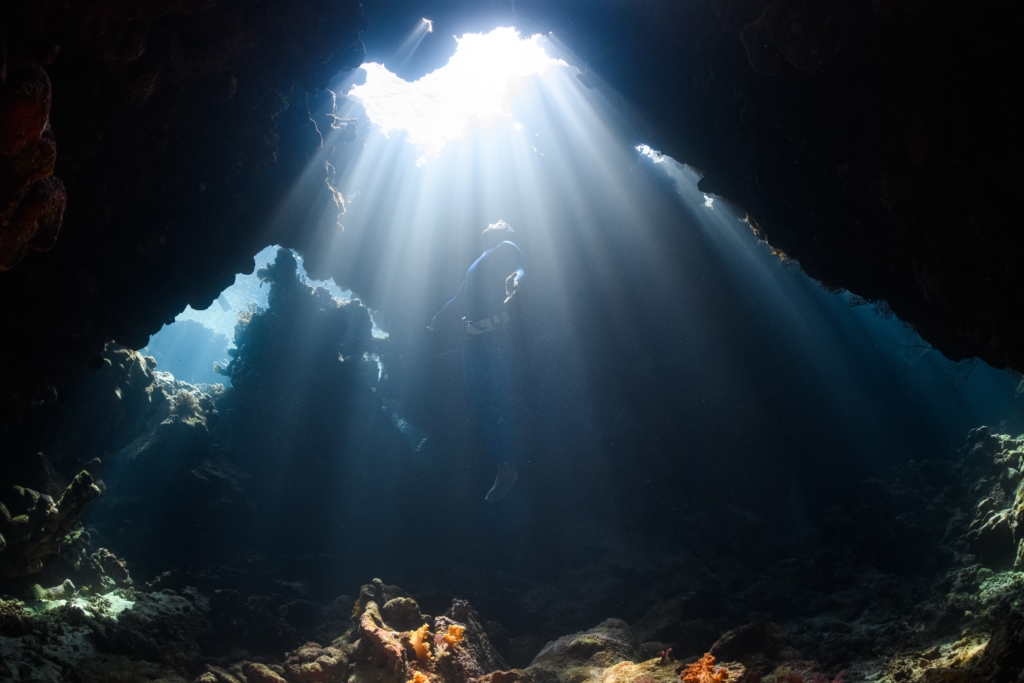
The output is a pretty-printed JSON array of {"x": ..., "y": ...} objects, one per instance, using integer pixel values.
[{"x": 503, "y": 483}]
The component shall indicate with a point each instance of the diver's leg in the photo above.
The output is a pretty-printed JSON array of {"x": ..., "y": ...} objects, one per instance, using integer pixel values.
[{"x": 503, "y": 434}]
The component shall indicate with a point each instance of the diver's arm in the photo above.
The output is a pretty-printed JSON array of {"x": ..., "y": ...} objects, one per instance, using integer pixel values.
[
  {"x": 512, "y": 282},
  {"x": 450, "y": 309}
]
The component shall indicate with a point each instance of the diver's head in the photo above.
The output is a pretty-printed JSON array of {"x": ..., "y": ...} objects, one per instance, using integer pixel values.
[{"x": 496, "y": 233}]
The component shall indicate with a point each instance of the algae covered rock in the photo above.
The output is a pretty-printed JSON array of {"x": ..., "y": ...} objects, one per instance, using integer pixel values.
[
  {"x": 584, "y": 656},
  {"x": 260, "y": 673},
  {"x": 403, "y": 613},
  {"x": 651, "y": 671},
  {"x": 380, "y": 650},
  {"x": 314, "y": 664},
  {"x": 379, "y": 647}
]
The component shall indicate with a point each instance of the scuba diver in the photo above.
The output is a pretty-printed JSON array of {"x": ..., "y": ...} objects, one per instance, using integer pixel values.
[{"x": 487, "y": 352}]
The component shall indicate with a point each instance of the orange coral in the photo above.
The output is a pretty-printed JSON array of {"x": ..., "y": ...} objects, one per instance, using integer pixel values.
[
  {"x": 419, "y": 676},
  {"x": 455, "y": 633},
  {"x": 419, "y": 642},
  {"x": 703, "y": 671}
]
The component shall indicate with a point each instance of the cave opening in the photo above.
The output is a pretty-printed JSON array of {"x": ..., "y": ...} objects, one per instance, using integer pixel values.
[
  {"x": 623, "y": 392},
  {"x": 195, "y": 347}
]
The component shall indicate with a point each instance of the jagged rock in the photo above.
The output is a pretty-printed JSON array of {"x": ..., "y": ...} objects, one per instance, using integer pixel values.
[
  {"x": 581, "y": 656},
  {"x": 476, "y": 654},
  {"x": 109, "y": 571},
  {"x": 314, "y": 664},
  {"x": 1017, "y": 514},
  {"x": 1003, "y": 659},
  {"x": 755, "y": 645},
  {"x": 378, "y": 592},
  {"x": 993, "y": 539}
]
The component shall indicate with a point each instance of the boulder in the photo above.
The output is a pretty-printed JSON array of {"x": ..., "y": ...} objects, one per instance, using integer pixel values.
[{"x": 583, "y": 656}]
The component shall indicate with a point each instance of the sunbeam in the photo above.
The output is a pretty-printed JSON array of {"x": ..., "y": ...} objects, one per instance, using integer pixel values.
[{"x": 473, "y": 87}]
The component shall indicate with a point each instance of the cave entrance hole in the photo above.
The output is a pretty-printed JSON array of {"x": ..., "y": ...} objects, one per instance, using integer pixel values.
[{"x": 188, "y": 347}]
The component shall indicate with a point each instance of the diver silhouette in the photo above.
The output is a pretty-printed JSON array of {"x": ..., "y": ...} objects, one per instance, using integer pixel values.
[{"x": 487, "y": 353}]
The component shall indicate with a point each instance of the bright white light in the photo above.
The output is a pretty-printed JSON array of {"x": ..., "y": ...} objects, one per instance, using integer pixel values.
[
  {"x": 709, "y": 202},
  {"x": 430, "y": 25},
  {"x": 474, "y": 86},
  {"x": 651, "y": 153}
]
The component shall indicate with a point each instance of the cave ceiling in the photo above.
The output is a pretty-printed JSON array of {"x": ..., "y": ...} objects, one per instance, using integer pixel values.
[{"x": 145, "y": 145}]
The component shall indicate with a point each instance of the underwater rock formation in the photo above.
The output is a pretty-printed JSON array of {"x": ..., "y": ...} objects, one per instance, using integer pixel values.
[
  {"x": 180, "y": 126},
  {"x": 33, "y": 525},
  {"x": 180, "y": 634},
  {"x": 191, "y": 472},
  {"x": 32, "y": 200},
  {"x": 823, "y": 121},
  {"x": 580, "y": 656}
]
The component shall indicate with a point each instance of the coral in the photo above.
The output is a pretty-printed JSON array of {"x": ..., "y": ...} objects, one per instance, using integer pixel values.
[
  {"x": 419, "y": 677},
  {"x": 455, "y": 634},
  {"x": 704, "y": 671},
  {"x": 420, "y": 643},
  {"x": 13, "y": 619},
  {"x": 186, "y": 405},
  {"x": 33, "y": 525},
  {"x": 108, "y": 571}
]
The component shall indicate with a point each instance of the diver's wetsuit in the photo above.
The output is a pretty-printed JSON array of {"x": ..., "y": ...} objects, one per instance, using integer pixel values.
[{"x": 487, "y": 360}]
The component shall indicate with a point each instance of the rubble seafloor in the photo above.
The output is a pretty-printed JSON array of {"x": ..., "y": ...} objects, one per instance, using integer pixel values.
[{"x": 859, "y": 616}]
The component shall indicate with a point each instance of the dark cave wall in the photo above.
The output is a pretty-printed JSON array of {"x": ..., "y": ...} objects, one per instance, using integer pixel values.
[
  {"x": 179, "y": 126},
  {"x": 873, "y": 142}
]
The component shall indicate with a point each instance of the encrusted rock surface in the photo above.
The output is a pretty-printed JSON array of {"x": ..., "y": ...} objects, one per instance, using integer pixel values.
[{"x": 582, "y": 656}]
